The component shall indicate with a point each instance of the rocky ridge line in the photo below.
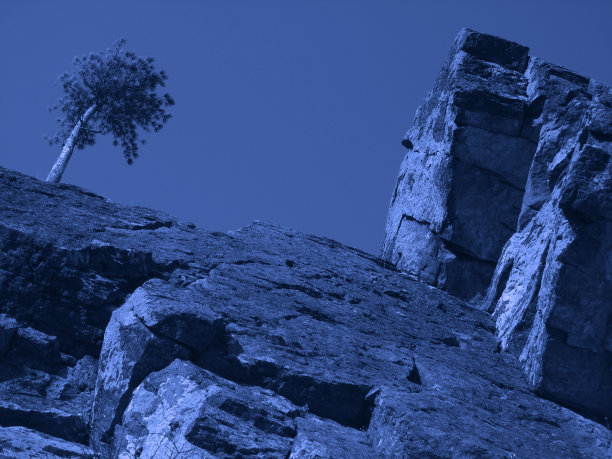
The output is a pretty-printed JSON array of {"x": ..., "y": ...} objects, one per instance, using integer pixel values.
[{"x": 264, "y": 342}]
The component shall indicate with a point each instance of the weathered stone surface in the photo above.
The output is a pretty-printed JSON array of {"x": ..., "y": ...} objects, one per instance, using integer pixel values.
[
  {"x": 19, "y": 442},
  {"x": 461, "y": 184},
  {"x": 463, "y": 189},
  {"x": 68, "y": 258},
  {"x": 40, "y": 387},
  {"x": 559, "y": 98},
  {"x": 131, "y": 351},
  {"x": 325, "y": 329},
  {"x": 186, "y": 410},
  {"x": 551, "y": 294}
]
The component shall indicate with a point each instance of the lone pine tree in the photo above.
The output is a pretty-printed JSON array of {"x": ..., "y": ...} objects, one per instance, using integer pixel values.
[{"x": 111, "y": 92}]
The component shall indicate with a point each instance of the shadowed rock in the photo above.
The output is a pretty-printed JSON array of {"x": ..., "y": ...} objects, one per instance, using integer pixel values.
[{"x": 551, "y": 295}]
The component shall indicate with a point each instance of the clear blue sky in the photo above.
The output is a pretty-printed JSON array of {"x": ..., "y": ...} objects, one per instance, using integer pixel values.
[{"x": 288, "y": 111}]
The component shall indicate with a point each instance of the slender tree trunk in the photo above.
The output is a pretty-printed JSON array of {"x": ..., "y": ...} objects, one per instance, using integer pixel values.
[{"x": 60, "y": 165}]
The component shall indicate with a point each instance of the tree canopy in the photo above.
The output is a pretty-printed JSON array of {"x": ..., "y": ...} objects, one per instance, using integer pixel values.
[{"x": 111, "y": 92}]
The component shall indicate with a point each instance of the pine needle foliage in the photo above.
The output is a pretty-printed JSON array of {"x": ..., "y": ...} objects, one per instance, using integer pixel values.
[{"x": 123, "y": 89}]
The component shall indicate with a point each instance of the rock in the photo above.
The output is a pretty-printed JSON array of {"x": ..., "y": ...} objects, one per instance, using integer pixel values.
[
  {"x": 131, "y": 351},
  {"x": 28, "y": 411},
  {"x": 62, "y": 273},
  {"x": 184, "y": 410},
  {"x": 328, "y": 333},
  {"x": 41, "y": 388},
  {"x": 559, "y": 98},
  {"x": 508, "y": 144},
  {"x": 79, "y": 266},
  {"x": 8, "y": 328},
  {"x": 330, "y": 350},
  {"x": 22, "y": 442},
  {"x": 552, "y": 288},
  {"x": 459, "y": 192}
]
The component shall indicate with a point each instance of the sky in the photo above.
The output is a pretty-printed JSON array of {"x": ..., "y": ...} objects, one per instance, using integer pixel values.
[{"x": 286, "y": 111}]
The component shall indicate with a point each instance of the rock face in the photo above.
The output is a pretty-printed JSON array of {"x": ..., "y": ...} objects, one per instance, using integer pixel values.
[
  {"x": 125, "y": 333},
  {"x": 551, "y": 295},
  {"x": 461, "y": 184},
  {"x": 511, "y": 152}
]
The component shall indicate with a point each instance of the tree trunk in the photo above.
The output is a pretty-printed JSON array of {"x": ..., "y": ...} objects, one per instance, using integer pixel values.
[{"x": 60, "y": 165}]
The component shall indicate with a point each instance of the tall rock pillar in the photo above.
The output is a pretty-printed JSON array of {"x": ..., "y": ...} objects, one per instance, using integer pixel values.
[{"x": 460, "y": 188}]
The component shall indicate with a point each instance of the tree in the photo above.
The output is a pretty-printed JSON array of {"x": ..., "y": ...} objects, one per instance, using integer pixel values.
[{"x": 111, "y": 92}]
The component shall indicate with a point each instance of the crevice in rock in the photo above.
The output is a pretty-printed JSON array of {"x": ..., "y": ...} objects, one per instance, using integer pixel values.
[
  {"x": 461, "y": 251},
  {"x": 345, "y": 403},
  {"x": 502, "y": 280},
  {"x": 500, "y": 178},
  {"x": 312, "y": 292},
  {"x": 147, "y": 226},
  {"x": 530, "y": 312},
  {"x": 67, "y": 426},
  {"x": 397, "y": 184},
  {"x": 342, "y": 402},
  {"x": 299, "y": 288},
  {"x": 600, "y": 136},
  {"x": 140, "y": 372},
  {"x": 496, "y": 132},
  {"x": 413, "y": 219},
  {"x": 414, "y": 376},
  {"x": 397, "y": 295},
  {"x": 317, "y": 315},
  {"x": 449, "y": 341}
]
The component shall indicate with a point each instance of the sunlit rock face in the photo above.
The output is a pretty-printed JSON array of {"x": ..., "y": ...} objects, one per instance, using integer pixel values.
[
  {"x": 461, "y": 184},
  {"x": 126, "y": 333},
  {"x": 551, "y": 295},
  {"x": 506, "y": 193}
]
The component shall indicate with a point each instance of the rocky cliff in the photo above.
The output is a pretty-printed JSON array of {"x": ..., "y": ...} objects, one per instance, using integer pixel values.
[
  {"x": 142, "y": 336},
  {"x": 126, "y": 333},
  {"x": 506, "y": 191},
  {"x": 460, "y": 188}
]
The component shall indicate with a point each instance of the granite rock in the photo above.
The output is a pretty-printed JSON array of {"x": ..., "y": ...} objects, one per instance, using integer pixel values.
[
  {"x": 20, "y": 442},
  {"x": 551, "y": 295},
  {"x": 461, "y": 184},
  {"x": 506, "y": 191}
]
